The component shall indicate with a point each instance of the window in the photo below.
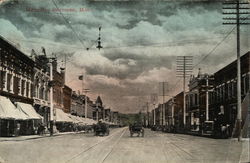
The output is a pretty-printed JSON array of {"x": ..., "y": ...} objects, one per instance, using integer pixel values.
[
  {"x": 9, "y": 82},
  {"x": 195, "y": 99},
  {"x": 223, "y": 92},
  {"x": 226, "y": 91},
  {"x": 229, "y": 90},
  {"x": 247, "y": 81},
  {"x": 245, "y": 84},
  {"x": 234, "y": 88},
  {"x": 27, "y": 89},
  {"x": 2, "y": 75},
  {"x": 22, "y": 87}
]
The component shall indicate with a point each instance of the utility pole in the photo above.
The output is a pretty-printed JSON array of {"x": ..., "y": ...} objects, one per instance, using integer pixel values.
[
  {"x": 97, "y": 110},
  {"x": 184, "y": 69},
  {"x": 86, "y": 102},
  {"x": 154, "y": 99},
  {"x": 51, "y": 84},
  {"x": 51, "y": 101},
  {"x": 147, "y": 115},
  {"x": 207, "y": 100},
  {"x": 208, "y": 88},
  {"x": 65, "y": 65},
  {"x": 237, "y": 9},
  {"x": 172, "y": 111},
  {"x": 163, "y": 103}
]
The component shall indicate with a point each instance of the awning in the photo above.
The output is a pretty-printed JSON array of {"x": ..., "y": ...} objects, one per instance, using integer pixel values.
[
  {"x": 9, "y": 111},
  {"x": 28, "y": 110},
  {"x": 62, "y": 117},
  {"x": 76, "y": 119},
  {"x": 89, "y": 121}
]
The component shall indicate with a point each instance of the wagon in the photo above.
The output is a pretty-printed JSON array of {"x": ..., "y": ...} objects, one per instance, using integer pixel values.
[
  {"x": 101, "y": 129},
  {"x": 136, "y": 128}
]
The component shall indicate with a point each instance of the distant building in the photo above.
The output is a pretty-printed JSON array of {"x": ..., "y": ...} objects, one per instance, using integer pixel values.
[
  {"x": 40, "y": 88},
  {"x": 196, "y": 101},
  {"x": 67, "y": 97},
  {"x": 224, "y": 97},
  {"x": 107, "y": 115},
  {"x": 116, "y": 119},
  {"x": 58, "y": 80},
  {"x": 77, "y": 105},
  {"x": 98, "y": 110}
]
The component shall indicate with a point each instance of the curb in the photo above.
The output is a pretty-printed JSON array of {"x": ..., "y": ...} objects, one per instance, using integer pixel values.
[{"x": 40, "y": 137}]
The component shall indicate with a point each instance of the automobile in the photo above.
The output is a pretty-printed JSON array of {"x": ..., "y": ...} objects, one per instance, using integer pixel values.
[
  {"x": 101, "y": 129},
  {"x": 136, "y": 128}
]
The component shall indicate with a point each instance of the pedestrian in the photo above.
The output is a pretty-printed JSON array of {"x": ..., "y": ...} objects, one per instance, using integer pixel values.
[{"x": 17, "y": 129}]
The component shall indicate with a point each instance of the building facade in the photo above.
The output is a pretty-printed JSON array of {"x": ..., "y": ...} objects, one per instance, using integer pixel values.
[
  {"x": 67, "y": 96},
  {"x": 223, "y": 99},
  {"x": 16, "y": 72}
]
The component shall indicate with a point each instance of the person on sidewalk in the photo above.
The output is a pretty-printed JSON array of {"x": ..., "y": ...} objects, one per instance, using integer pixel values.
[{"x": 17, "y": 129}]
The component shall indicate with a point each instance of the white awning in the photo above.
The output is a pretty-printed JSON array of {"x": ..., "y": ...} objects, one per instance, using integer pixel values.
[
  {"x": 76, "y": 119},
  {"x": 80, "y": 120},
  {"x": 9, "y": 111},
  {"x": 28, "y": 110},
  {"x": 89, "y": 121},
  {"x": 62, "y": 117}
]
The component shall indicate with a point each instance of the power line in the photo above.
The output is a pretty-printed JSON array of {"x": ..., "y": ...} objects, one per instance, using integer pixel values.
[
  {"x": 218, "y": 44},
  {"x": 68, "y": 24}
]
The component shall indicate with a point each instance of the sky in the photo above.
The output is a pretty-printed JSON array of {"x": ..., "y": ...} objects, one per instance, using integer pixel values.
[{"x": 140, "y": 39}]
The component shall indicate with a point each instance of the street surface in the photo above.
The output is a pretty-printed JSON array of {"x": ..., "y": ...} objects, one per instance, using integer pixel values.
[{"x": 119, "y": 147}]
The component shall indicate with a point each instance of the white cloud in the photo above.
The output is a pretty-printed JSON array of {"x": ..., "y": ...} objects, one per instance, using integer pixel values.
[{"x": 10, "y": 32}]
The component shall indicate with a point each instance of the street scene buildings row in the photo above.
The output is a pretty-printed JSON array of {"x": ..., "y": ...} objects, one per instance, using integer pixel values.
[
  {"x": 211, "y": 102},
  {"x": 25, "y": 79}
]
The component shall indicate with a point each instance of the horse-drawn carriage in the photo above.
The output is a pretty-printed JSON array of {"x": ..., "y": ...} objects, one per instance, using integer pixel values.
[
  {"x": 136, "y": 128},
  {"x": 101, "y": 129}
]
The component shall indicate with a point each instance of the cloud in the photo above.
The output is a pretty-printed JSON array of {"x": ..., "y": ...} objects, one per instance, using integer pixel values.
[{"x": 9, "y": 31}]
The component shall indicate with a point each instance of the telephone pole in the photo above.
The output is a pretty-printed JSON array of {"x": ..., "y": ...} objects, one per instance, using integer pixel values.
[
  {"x": 86, "y": 102},
  {"x": 51, "y": 85},
  {"x": 163, "y": 101},
  {"x": 147, "y": 115},
  {"x": 184, "y": 69},
  {"x": 236, "y": 10},
  {"x": 154, "y": 99}
]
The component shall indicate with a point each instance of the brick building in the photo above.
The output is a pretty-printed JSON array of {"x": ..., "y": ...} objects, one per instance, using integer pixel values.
[{"x": 16, "y": 72}]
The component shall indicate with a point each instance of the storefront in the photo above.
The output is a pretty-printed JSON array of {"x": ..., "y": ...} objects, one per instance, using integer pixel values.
[
  {"x": 34, "y": 119},
  {"x": 11, "y": 118}
]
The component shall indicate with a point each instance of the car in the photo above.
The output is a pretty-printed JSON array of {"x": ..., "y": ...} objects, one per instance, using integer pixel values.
[
  {"x": 136, "y": 128},
  {"x": 101, "y": 129}
]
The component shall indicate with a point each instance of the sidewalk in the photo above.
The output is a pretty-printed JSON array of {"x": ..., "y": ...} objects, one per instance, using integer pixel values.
[{"x": 30, "y": 137}]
